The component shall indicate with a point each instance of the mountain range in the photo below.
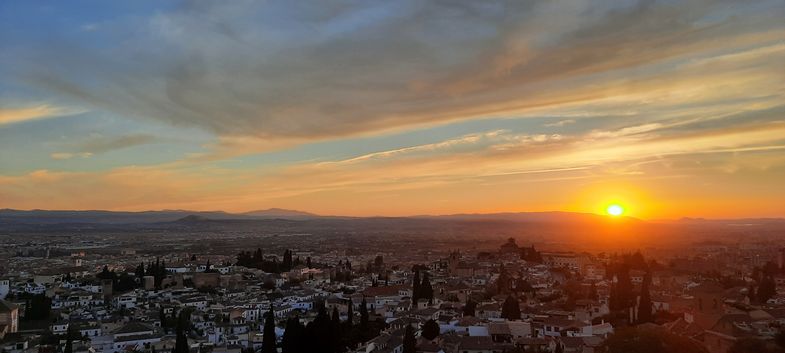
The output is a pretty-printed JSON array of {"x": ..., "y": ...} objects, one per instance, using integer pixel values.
[{"x": 41, "y": 217}]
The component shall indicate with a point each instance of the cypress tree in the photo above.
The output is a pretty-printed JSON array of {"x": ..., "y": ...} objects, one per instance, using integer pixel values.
[
  {"x": 336, "y": 317},
  {"x": 621, "y": 291},
  {"x": 335, "y": 328},
  {"x": 268, "y": 335},
  {"x": 645, "y": 304},
  {"x": 181, "y": 342},
  {"x": 416, "y": 288},
  {"x": 426, "y": 290},
  {"x": 511, "y": 309},
  {"x": 293, "y": 336},
  {"x": 502, "y": 282},
  {"x": 364, "y": 328},
  {"x": 468, "y": 309},
  {"x": 430, "y": 330},
  {"x": 409, "y": 341},
  {"x": 162, "y": 317},
  {"x": 766, "y": 289},
  {"x": 319, "y": 333},
  {"x": 350, "y": 313},
  {"x": 287, "y": 260},
  {"x": 140, "y": 271},
  {"x": 363, "y": 316},
  {"x": 69, "y": 340}
]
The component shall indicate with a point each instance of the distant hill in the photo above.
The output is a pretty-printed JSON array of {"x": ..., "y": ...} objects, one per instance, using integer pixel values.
[
  {"x": 279, "y": 213},
  {"x": 42, "y": 217},
  {"x": 99, "y": 217},
  {"x": 590, "y": 230}
]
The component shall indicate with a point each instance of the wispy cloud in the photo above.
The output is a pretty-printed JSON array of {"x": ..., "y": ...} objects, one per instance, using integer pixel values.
[
  {"x": 97, "y": 144},
  {"x": 32, "y": 112},
  {"x": 560, "y": 123},
  {"x": 59, "y": 156},
  {"x": 101, "y": 144}
]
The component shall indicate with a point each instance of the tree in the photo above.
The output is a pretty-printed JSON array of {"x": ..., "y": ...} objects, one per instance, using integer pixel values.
[
  {"x": 416, "y": 288},
  {"x": 105, "y": 273},
  {"x": 268, "y": 334},
  {"x": 258, "y": 256},
  {"x": 469, "y": 308},
  {"x": 287, "y": 260},
  {"x": 363, "y": 316},
  {"x": 511, "y": 310},
  {"x": 430, "y": 330},
  {"x": 162, "y": 318},
  {"x": 39, "y": 307},
  {"x": 124, "y": 283},
  {"x": 409, "y": 341},
  {"x": 336, "y": 317},
  {"x": 766, "y": 289},
  {"x": 503, "y": 282},
  {"x": 621, "y": 290},
  {"x": 426, "y": 290},
  {"x": 140, "y": 271},
  {"x": 320, "y": 337},
  {"x": 69, "y": 340},
  {"x": 293, "y": 336},
  {"x": 181, "y": 340},
  {"x": 645, "y": 304},
  {"x": 350, "y": 313}
]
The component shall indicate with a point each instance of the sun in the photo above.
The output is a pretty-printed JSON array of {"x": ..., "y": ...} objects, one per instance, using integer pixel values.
[{"x": 615, "y": 210}]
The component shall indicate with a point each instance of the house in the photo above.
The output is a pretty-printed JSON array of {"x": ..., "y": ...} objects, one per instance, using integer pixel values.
[
  {"x": 728, "y": 329},
  {"x": 489, "y": 311},
  {"x": 475, "y": 344},
  {"x": 535, "y": 344},
  {"x": 134, "y": 336},
  {"x": 126, "y": 301},
  {"x": 59, "y": 328},
  {"x": 500, "y": 332},
  {"x": 554, "y": 326}
]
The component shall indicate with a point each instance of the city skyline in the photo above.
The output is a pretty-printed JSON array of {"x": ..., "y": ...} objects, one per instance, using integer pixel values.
[{"x": 394, "y": 109}]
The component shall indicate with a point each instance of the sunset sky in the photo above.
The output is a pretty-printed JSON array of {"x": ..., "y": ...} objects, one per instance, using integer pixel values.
[{"x": 394, "y": 107}]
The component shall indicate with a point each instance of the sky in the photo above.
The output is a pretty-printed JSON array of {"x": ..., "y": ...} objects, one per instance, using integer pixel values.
[{"x": 669, "y": 108}]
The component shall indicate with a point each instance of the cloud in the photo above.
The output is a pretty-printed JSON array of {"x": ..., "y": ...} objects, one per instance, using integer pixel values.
[
  {"x": 34, "y": 112},
  {"x": 560, "y": 123},
  {"x": 59, "y": 156},
  {"x": 98, "y": 144},
  {"x": 102, "y": 144},
  {"x": 282, "y": 76}
]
